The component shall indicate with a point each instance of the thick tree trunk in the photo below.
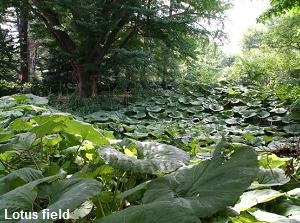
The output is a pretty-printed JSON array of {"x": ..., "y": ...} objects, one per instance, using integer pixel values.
[
  {"x": 23, "y": 39},
  {"x": 86, "y": 83}
]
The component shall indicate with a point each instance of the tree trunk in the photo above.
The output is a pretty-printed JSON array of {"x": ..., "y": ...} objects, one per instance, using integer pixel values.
[
  {"x": 23, "y": 39},
  {"x": 86, "y": 83},
  {"x": 32, "y": 58},
  {"x": 171, "y": 8}
]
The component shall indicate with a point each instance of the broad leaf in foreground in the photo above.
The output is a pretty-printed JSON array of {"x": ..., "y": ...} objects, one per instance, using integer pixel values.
[
  {"x": 158, "y": 212},
  {"x": 21, "y": 198},
  {"x": 268, "y": 178},
  {"x": 209, "y": 186},
  {"x": 68, "y": 194},
  {"x": 272, "y": 217},
  {"x": 254, "y": 197},
  {"x": 152, "y": 158},
  {"x": 21, "y": 142},
  {"x": 26, "y": 174},
  {"x": 87, "y": 131}
]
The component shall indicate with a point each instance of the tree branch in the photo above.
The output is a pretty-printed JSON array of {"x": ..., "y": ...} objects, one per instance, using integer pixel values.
[
  {"x": 51, "y": 21},
  {"x": 128, "y": 37}
]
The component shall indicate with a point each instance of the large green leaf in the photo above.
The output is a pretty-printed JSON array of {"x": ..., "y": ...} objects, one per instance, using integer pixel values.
[
  {"x": 49, "y": 124},
  {"x": 67, "y": 194},
  {"x": 272, "y": 161},
  {"x": 26, "y": 174},
  {"x": 7, "y": 101},
  {"x": 209, "y": 186},
  {"x": 21, "y": 141},
  {"x": 21, "y": 98},
  {"x": 295, "y": 192},
  {"x": 99, "y": 116},
  {"x": 233, "y": 121},
  {"x": 63, "y": 195},
  {"x": 263, "y": 114},
  {"x": 158, "y": 212},
  {"x": 184, "y": 100},
  {"x": 268, "y": 178},
  {"x": 140, "y": 112},
  {"x": 248, "y": 113},
  {"x": 152, "y": 158},
  {"x": 20, "y": 124},
  {"x": 10, "y": 113},
  {"x": 275, "y": 118},
  {"x": 21, "y": 198},
  {"x": 155, "y": 108},
  {"x": 5, "y": 136},
  {"x": 47, "y": 128},
  {"x": 176, "y": 114},
  {"x": 17, "y": 178},
  {"x": 216, "y": 108},
  {"x": 271, "y": 217},
  {"x": 86, "y": 131},
  {"x": 279, "y": 110},
  {"x": 254, "y": 197},
  {"x": 33, "y": 108},
  {"x": 24, "y": 140},
  {"x": 137, "y": 134},
  {"x": 288, "y": 208},
  {"x": 292, "y": 129},
  {"x": 33, "y": 99}
]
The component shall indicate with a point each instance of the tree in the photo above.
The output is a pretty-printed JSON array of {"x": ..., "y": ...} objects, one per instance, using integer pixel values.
[
  {"x": 7, "y": 60},
  {"x": 283, "y": 33},
  {"x": 90, "y": 32},
  {"x": 253, "y": 38},
  {"x": 280, "y": 7},
  {"x": 16, "y": 14},
  {"x": 23, "y": 40},
  {"x": 270, "y": 53}
]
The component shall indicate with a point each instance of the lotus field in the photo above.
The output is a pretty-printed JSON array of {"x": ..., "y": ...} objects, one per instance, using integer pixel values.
[{"x": 212, "y": 154}]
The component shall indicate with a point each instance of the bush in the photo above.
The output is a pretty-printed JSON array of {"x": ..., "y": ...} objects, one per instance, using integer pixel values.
[
  {"x": 287, "y": 91},
  {"x": 10, "y": 87}
]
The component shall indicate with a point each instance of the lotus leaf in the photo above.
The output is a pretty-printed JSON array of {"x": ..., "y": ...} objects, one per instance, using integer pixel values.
[
  {"x": 159, "y": 212},
  {"x": 196, "y": 187},
  {"x": 152, "y": 158}
]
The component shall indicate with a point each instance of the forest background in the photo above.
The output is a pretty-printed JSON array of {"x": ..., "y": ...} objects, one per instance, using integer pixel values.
[{"x": 91, "y": 48}]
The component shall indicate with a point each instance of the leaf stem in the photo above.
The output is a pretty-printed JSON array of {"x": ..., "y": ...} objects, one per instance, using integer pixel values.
[{"x": 101, "y": 208}]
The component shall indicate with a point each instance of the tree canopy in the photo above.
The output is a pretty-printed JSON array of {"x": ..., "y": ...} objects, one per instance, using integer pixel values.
[
  {"x": 92, "y": 33},
  {"x": 280, "y": 7}
]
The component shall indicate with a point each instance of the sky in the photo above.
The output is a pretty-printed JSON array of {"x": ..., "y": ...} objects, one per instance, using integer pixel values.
[{"x": 240, "y": 18}]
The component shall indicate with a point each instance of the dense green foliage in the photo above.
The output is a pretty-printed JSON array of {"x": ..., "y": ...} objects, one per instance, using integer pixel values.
[
  {"x": 280, "y": 7},
  {"x": 271, "y": 56},
  {"x": 116, "y": 44},
  {"x": 7, "y": 59},
  {"x": 200, "y": 155}
]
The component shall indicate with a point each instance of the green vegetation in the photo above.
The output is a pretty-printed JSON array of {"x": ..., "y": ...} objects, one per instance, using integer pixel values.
[
  {"x": 129, "y": 111},
  {"x": 51, "y": 160},
  {"x": 271, "y": 52}
]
